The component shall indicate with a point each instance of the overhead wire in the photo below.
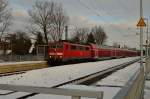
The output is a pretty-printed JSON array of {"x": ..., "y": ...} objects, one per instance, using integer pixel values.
[
  {"x": 122, "y": 6},
  {"x": 91, "y": 9},
  {"x": 106, "y": 13},
  {"x": 95, "y": 10}
]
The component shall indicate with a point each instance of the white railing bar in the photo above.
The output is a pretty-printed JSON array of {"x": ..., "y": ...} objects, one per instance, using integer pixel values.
[{"x": 56, "y": 91}]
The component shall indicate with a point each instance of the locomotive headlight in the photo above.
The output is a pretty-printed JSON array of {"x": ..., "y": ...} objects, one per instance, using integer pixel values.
[{"x": 60, "y": 56}]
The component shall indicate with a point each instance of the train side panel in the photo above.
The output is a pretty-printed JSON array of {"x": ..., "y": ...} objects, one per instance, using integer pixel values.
[{"x": 75, "y": 51}]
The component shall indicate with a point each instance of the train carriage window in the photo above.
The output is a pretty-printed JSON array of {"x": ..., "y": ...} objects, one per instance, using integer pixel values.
[{"x": 82, "y": 48}]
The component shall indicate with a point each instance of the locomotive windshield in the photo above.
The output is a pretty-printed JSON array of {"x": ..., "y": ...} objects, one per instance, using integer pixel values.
[{"x": 56, "y": 45}]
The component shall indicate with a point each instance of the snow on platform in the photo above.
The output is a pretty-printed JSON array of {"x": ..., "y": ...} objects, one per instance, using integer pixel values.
[
  {"x": 53, "y": 76},
  {"x": 4, "y": 92},
  {"x": 121, "y": 77},
  {"x": 147, "y": 90},
  {"x": 13, "y": 95},
  {"x": 108, "y": 92},
  {"x": 49, "y": 77}
]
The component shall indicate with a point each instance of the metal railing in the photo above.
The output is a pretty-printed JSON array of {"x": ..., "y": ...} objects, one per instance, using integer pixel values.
[
  {"x": 75, "y": 94},
  {"x": 17, "y": 58}
]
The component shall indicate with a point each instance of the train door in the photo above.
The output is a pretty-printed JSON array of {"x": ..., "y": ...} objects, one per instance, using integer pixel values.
[
  {"x": 94, "y": 51},
  {"x": 112, "y": 54}
]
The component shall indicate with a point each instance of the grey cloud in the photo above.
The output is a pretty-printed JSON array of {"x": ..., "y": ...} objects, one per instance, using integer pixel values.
[{"x": 122, "y": 14}]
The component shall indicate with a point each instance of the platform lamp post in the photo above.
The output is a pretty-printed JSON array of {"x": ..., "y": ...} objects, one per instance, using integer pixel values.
[
  {"x": 141, "y": 32},
  {"x": 141, "y": 24},
  {"x": 147, "y": 37}
]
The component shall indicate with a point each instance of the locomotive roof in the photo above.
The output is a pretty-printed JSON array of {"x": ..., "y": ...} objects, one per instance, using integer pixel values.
[{"x": 93, "y": 45}]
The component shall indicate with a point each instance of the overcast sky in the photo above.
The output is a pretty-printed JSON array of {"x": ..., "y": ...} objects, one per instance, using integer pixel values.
[{"x": 117, "y": 17}]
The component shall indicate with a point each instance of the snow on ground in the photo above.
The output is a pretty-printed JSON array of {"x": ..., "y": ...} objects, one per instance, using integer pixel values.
[
  {"x": 121, "y": 77},
  {"x": 147, "y": 90},
  {"x": 52, "y": 76},
  {"x": 4, "y": 92},
  {"x": 55, "y": 75},
  {"x": 14, "y": 95},
  {"x": 108, "y": 92},
  {"x": 46, "y": 96}
]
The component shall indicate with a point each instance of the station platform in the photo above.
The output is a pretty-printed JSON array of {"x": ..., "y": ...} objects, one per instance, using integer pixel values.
[{"x": 46, "y": 78}]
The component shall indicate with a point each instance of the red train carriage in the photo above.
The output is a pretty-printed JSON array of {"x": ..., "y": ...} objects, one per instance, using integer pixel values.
[
  {"x": 64, "y": 51},
  {"x": 116, "y": 52},
  {"x": 104, "y": 52}
]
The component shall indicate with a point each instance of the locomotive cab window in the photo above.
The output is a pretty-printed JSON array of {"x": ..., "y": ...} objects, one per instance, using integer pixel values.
[
  {"x": 59, "y": 45},
  {"x": 56, "y": 45},
  {"x": 82, "y": 48},
  {"x": 73, "y": 47},
  {"x": 87, "y": 48}
]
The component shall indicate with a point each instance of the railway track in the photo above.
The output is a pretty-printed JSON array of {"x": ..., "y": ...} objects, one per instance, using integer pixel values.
[
  {"x": 89, "y": 79},
  {"x": 8, "y": 70}
]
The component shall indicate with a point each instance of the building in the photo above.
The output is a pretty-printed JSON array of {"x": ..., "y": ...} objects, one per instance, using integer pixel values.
[{"x": 5, "y": 47}]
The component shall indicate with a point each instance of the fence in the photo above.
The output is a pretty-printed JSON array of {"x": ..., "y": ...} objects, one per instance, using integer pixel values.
[
  {"x": 39, "y": 56},
  {"x": 17, "y": 58}
]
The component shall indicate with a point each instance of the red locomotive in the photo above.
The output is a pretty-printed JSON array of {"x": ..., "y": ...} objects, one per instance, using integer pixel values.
[{"x": 65, "y": 51}]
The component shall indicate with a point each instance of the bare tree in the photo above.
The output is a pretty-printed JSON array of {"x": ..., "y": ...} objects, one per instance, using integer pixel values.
[
  {"x": 48, "y": 18},
  {"x": 99, "y": 35},
  {"x": 41, "y": 15},
  {"x": 5, "y": 17},
  {"x": 81, "y": 35},
  {"x": 60, "y": 20}
]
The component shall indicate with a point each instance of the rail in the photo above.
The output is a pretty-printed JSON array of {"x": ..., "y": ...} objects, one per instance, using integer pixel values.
[
  {"x": 101, "y": 73},
  {"x": 75, "y": 94},
  {"x": 87, "y": 79}
]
